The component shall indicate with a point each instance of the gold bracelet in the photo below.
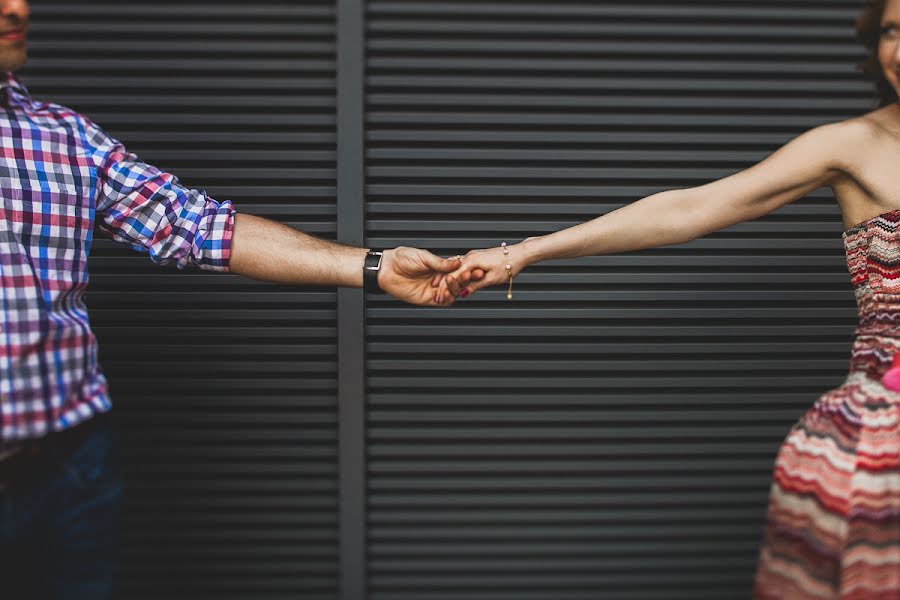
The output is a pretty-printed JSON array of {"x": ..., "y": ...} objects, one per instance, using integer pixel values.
[{"x": 508, "y": 271}]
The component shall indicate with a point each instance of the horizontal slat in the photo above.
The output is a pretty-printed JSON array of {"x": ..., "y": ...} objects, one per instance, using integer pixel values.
[
  {"x": 538, "y": 498},
  {"x": 138, "y": 28},
  {"x": 589, "y": 140},
  {"x": 582, "y": 10},
  {"x": 125, "y": 82},
  {"x": 540, "y": 348},
  {"x": 609, "y": 28},
  {"x": 571, "y": 49},
  {"x": 668, "y": 120},
  {"x": 41, "y": 46},
  {"x": 719, "y": 102},
  {"x": 597, "y": 87},
  {"x": 574, "y": 450},
  {"x": 615, "y": 330},
  {"x": 570, "y": 71}
]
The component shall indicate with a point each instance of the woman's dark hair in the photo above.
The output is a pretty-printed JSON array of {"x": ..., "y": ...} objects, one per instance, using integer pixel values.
[{"x": 868, "y": 32}]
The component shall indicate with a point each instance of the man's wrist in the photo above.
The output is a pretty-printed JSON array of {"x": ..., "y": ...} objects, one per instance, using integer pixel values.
[{"x": 372, "y": 267}]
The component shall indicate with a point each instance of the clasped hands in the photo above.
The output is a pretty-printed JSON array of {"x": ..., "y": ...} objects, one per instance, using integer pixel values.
[{"x": 420, "y": 277}]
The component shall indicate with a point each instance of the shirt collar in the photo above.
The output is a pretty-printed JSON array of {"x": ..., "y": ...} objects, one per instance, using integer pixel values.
[{"x": 8, "y": 80}]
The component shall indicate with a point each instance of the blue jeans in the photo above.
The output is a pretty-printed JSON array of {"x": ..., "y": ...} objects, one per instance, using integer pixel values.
[{"x": 60, "y": 528}]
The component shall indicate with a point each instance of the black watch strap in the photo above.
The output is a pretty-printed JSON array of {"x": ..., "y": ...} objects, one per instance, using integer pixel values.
[{"x": 371, "y": 267}]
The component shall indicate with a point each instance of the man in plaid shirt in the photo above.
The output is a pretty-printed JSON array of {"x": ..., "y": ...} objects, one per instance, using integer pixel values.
[{"x": 60, "y": 174}]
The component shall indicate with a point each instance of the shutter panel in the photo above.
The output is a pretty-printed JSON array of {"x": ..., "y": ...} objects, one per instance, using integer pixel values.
[
  {"x": 610, "y": 433},
  {"x": 224, "y": 388}
]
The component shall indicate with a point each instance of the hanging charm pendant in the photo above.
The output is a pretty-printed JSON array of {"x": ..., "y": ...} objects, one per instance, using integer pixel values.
[{"x": 508, "y": 271}]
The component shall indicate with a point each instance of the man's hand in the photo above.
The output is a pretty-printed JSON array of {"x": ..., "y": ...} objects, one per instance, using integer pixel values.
[{"x": 413, "y": 275}]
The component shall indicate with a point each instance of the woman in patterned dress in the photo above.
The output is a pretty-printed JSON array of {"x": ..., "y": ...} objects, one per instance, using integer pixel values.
[{"x": 833, "y": 524}]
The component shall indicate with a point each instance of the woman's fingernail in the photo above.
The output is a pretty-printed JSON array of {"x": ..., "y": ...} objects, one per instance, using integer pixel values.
[{"x": 464, "y": 293}]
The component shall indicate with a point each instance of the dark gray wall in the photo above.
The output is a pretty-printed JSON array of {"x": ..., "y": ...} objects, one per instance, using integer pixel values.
[
  {"x": 225, "y": 388},
  {"x": 608, "y": 434}
]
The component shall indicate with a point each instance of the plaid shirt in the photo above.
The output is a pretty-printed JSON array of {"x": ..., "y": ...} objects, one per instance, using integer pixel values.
[{"x": 58, "y": 171}]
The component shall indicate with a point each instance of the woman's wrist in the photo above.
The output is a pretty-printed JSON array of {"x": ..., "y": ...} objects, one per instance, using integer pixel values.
[{"x": 526, "y": 252}]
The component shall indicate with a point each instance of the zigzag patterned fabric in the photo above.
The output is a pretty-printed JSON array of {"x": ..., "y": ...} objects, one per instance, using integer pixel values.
[{"x": 833, "y": 524}]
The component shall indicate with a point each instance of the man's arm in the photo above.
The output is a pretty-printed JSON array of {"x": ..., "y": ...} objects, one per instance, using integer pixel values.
[
  {"x": 148, "y": 209},
  {"x": 267, "y": 250}
]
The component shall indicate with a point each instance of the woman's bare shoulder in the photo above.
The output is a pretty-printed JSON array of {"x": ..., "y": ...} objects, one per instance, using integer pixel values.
[
  {"x": 858, "y": 129},
  {"x": 846, "y": 143},
  {"x": 880, "y": 123}
]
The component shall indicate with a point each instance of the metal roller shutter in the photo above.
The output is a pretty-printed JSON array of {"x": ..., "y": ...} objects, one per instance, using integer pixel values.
[
  {"x": 609, "y": 433},
  {"x": 225, "y": 388}
]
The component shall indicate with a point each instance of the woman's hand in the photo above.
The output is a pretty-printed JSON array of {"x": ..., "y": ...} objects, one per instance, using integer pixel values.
[{"x": 480, "y": 269}]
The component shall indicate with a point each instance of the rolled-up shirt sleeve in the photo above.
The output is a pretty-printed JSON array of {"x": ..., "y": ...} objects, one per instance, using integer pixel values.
[{"x": 150, "y": 211}]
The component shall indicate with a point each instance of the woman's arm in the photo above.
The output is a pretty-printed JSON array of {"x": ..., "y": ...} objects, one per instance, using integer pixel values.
[{"x": 811, "y": 160}]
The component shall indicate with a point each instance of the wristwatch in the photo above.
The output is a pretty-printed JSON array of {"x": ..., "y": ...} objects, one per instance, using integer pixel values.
[{"x": 371, "y": 267}]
